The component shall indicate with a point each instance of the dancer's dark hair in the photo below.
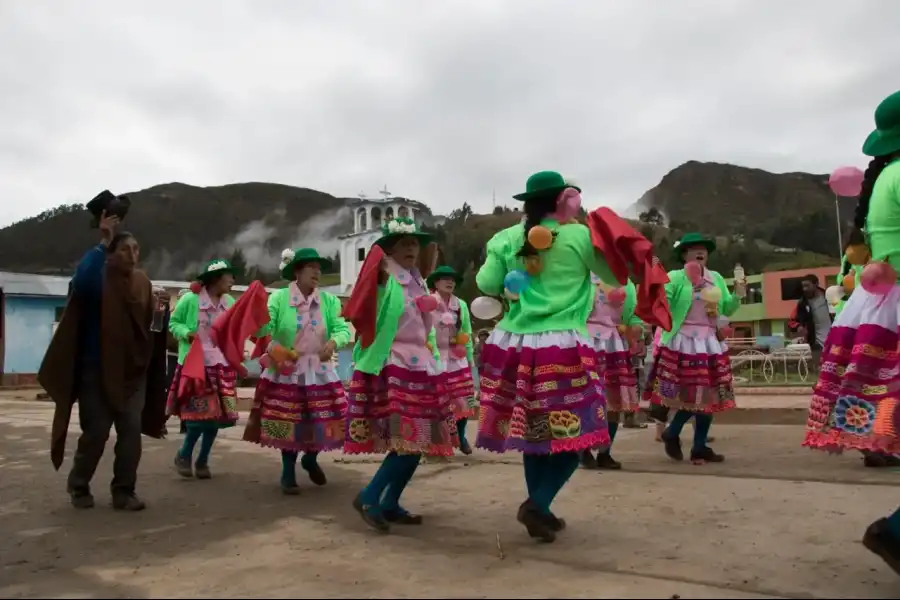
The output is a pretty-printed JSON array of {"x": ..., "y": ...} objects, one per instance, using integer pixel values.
[
  {"x": 876, "y": 166},
  {"x": 118, "y": 239},
  {"x": 212, "y": 280},
  {"x": 536, "y": 210}
]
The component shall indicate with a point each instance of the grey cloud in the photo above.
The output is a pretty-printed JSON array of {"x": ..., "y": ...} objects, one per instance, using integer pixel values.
[{"x": 443, "y": 104}]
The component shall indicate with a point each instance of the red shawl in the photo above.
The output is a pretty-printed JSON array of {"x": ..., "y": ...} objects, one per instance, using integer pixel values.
[
  {"x": 232, "y": 329},
  {"x": 193, "y": 372},
  {"x": 229, "y": 332},
  {"x": 362, "y": 308},
  {"x": 628, "y": 252}
]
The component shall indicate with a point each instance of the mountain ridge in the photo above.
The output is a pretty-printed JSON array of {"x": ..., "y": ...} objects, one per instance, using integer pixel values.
[{"x": 180, "y": 225}]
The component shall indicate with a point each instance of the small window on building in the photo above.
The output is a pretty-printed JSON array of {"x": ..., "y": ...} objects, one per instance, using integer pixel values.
[
  {"x": 754, "y": 293},
  {"x": 361, "y": 254},
  {"x": 792, "y": 288}
]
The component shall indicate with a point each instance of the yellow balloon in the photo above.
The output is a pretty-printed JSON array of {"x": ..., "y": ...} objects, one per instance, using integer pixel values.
[
  {"x": 849, "y": 283},
  {"x": 711, "y": 295},
  {"x": 540, "y": 237},
  {"x": 858, "y": 254}
]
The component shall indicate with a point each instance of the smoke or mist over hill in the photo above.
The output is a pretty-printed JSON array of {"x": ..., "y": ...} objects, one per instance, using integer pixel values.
[{"x": 258, "y": 240}]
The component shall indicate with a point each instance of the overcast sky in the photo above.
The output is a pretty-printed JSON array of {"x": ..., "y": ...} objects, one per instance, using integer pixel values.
[{"x": 442, "y": 100}]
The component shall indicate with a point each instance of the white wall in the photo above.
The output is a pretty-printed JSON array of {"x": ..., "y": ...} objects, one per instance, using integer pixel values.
[
  {"x": 350, "y": 263},
  {"x": 350, "y": 246}
]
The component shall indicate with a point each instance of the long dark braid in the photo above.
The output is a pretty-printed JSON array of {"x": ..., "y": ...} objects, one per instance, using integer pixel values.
[
  {"x": 876, "y": 166},
  {"x": 536, "y": 209},
  {"x": 855, "y": 237}
]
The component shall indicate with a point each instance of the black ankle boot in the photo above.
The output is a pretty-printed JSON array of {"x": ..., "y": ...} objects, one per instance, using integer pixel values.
[
  {"x": 556, "y": 524},
  {"x": 539, "y": 526},
  {"x": 876, "y": 460},
  {"x": 607, "y": 462},
  {"x": 587, "y": 460},
  {"x": 705, "y": 455},
  {"x": 879, "y": 540},
  {"x": 673, "y": 446}
]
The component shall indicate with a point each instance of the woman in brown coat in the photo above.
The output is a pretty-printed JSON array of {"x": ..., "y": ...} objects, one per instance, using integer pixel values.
[{"x": 101, "y": 355}]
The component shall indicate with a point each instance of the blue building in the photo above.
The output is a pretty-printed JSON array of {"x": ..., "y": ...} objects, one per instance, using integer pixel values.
[{"x": 30, "y": 308}]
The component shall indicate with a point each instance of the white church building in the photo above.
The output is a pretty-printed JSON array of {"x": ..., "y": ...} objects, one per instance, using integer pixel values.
[{"x": 368, "y": 216}]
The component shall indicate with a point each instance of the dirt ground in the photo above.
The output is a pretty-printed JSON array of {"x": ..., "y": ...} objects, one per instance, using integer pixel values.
[{"x": 775, "y": 520}]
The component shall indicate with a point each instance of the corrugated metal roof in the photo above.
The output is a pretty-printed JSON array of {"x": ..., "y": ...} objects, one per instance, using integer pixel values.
[
  {"x": 29, "y": 284},
  {"x": 183, "y": 285}
]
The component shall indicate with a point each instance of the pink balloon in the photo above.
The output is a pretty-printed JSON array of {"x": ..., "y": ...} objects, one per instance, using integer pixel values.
[
  {"x": 846, "y": 181},
  {"x": 616, "y": 297},
  {"x": 694, "y": 272},
  {"x": 458, "y": 351},
  {"x": 878, "y": 278},
  {"x": 568, "y": 203},
  {"x": 427, "y": 303}
]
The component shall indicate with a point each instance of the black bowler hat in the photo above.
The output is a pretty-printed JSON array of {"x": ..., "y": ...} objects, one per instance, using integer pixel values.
[{"x": 109, "y": 202}]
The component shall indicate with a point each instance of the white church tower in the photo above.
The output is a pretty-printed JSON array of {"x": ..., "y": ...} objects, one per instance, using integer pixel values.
[{"x": 368, "y": 216}]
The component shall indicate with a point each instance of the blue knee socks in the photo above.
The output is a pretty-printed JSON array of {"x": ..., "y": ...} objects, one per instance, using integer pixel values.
[
  {"x": 702, "y": 423},
  {"x": 192, "y": 434},
  {"x": 557, "y": 470},
  {"x": 288, "y": 468},
  {"x": 893, "y": 523},
  {"x": 408, "y": 463},
  {"x": 206, "y": 443},
  {"x": 205, "y": 434},
  {"x": 534, "y": 470},
  {"x": 678, "y": 422},
  {"x": 461, "y": 430},
  {"x": 387, "y": 472},
  {"x": 613, "y": 428}
]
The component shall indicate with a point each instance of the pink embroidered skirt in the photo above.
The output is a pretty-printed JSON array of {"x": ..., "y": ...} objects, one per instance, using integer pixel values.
[
  {"x": 617, "y": 372},
  {"x": 540, "y": 394},
  {"x": 216, "y": 405},
  {"x": 691, "y": 373},
  {"x": 460, "y": 387},
  {"x": 302, "y": 411},
  {"x": 856, "y": 401},
  {"x": 400, "y": 410}
]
